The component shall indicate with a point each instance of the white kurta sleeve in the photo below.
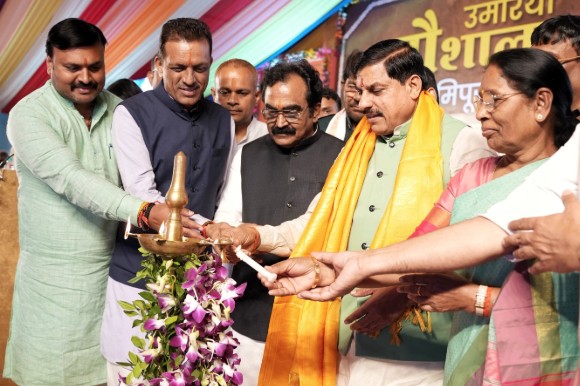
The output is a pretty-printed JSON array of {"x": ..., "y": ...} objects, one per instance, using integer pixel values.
[
  {"x": 540, "y": 194},
  {"x": 230, "y": 205}
]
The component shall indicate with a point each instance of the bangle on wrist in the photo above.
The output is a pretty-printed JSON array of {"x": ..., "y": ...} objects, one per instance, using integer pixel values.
[
  {"x": 316, "y": 273},
  {"x": 480, "y": 296}
]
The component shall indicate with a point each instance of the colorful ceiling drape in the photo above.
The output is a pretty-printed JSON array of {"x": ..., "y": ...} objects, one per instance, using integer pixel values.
[{"x": 255, "y": 30}]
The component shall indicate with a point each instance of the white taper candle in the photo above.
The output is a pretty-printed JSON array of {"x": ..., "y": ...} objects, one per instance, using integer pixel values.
[{"x": 271, "y": 276}]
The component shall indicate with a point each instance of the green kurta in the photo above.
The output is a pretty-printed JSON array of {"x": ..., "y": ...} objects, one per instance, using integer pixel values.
[{"x": 67, "y": 197}]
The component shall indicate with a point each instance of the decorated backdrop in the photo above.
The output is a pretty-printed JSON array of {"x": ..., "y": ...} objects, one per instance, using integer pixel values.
[{"x": 455, "y": 37}]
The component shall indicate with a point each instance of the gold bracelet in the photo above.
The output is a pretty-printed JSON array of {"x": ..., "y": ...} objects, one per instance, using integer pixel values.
[{"x": 316, "y": 273}]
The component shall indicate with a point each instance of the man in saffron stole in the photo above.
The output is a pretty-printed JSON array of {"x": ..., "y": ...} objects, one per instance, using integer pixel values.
[
  {"x": 539, "y": 313},
  {"x": 301, "y": 345}
]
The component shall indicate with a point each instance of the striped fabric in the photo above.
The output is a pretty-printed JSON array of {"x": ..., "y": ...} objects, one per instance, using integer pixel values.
[
  {"x": 241, "y": 29},
  {"x": 531, "y": 337}
]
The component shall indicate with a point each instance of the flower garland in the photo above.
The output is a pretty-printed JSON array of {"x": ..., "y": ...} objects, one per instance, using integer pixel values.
[{"x": 186, "y": 318}]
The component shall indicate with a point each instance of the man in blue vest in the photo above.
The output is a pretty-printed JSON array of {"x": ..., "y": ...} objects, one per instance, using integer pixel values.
[{"x": 148, "y": 130}]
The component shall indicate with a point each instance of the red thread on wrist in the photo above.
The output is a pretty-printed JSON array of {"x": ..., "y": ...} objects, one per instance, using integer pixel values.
[
  {"x": 487, "y": 304},
  {"x": 204, "y": 229},
  {"x": 143, "y": 215}
]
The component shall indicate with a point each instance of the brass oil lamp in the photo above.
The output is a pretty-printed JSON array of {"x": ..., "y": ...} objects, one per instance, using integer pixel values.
[{"x": 170, "y": 242}]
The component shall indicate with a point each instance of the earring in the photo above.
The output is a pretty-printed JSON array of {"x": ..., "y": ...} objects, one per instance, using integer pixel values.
[{"x": 540, "y": 117}]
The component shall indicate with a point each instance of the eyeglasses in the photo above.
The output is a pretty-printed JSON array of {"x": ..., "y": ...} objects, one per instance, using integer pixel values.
[
  {"x": 290, "y": 115},
  {"x": 489, "y": 100},
  {"x": 568, "y": 60}
]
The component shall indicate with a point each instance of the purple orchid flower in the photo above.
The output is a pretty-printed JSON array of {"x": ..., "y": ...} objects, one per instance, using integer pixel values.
[
  {"x": 193, "y": 309},
  {"x": 199, "y": 348},
  {"x": 175, "y": 378},
  {"x": 166, "y": 302},
  {"x": 181, "y": 339},
  {"x": 232, "y": 374},
  {"x": 153, "y": 352},
  {"x": 154, "y": 324},
  {"x": 229, "y": 292}
]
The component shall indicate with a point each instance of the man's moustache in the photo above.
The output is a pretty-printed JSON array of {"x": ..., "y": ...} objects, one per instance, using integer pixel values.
[
  {"x": 84, "y": 85},
  {"x": 372, "y": 113},
  {"x": 283, "y": 130}
]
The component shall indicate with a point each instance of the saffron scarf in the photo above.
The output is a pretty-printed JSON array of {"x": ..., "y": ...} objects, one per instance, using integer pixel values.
[
  {"x": 301, "y": 347},
  {"x": 531, "y": 337}
]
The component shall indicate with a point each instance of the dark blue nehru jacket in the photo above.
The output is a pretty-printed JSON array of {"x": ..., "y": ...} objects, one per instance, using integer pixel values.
[{"x": 202, "y": 133}]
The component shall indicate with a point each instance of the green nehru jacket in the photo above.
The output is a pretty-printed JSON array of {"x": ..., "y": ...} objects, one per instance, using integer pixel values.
[{"x": 373, "y": 201}]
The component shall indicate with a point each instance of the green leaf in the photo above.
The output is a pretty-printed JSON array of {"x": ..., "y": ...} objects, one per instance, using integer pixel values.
[
  {"x": 137, "y": 322},
  {"x": 179, "y": 291},
  {"x": 155, "y": 310},
  {"x": 131, "y": 313},
  {"x": 134, "y": 358},
  {"x": 129, "y": 379},
  {"x": 172, "y": 319},
  {"x": 148, "y": 296},
  {"x": 140, "y": 304},
  {"x": 138, "y": 342},
  {"x": 137, "y": 370},
  {"x": 126, "y": 306}
]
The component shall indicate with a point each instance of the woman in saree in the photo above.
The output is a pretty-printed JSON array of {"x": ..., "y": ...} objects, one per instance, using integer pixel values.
[
  {"x": 524, "y": 105},
  {"x": 473, "y": 190}
]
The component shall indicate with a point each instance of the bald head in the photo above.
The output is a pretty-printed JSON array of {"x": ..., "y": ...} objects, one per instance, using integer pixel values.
[{"x": 236, "y": 82}]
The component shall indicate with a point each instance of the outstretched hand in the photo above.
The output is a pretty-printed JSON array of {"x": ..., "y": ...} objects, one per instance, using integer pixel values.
[
  {"x": 339, "y": 274},
  {"x": 296, "y": 275},
  {"x": 348, "y": 268},
  {"x": 553, "y": 240}
]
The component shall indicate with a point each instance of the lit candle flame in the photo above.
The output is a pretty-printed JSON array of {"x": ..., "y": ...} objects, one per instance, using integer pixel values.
[
  {"x": 162, "y": 230},
  {"x": 128, "y": 228}
]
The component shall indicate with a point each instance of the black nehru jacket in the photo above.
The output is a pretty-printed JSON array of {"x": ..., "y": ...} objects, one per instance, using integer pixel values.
[{"x": 278, "y": 184}]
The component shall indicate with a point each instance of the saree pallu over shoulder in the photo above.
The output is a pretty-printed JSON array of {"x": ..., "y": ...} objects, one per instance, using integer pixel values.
[
  {"x": 539, "y": 315},
  {"x": 531, "y": 337}
]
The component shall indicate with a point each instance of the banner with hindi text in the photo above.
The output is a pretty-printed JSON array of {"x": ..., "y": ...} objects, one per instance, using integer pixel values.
[{"x": 455, "y": 37}]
